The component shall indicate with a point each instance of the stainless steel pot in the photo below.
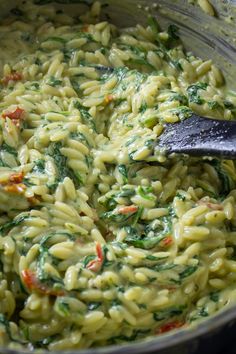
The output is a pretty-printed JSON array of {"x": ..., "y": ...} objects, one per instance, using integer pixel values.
[{"x": 207, "y": 37}]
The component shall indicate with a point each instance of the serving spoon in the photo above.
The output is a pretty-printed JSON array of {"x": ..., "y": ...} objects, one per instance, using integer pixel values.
[
  {"x": 199, "y": 136},
  {"x": 195, "y": 136}
]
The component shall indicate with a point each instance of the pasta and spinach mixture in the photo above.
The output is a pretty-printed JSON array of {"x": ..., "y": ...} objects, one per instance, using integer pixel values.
[{"x": 104, "y": 240}]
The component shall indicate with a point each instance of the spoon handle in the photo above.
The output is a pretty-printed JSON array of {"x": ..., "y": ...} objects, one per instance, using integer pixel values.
[{"x": 199, "y": 136}]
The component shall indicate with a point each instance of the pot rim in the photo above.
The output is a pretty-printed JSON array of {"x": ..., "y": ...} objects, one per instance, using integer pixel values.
[{"x": 151, "y": 344}]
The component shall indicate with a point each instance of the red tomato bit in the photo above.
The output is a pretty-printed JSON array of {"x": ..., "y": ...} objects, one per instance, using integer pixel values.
[
  {"x": 12, "y": 77},
  {"x": 16, "y": 116},
  {"x": 32, "y": 283},
  {"x": 127, "y": 209},
  {"x": 16, "y": 177},
  {"x": 167, "y": 241},
  {"x": 170, "y": 326},
  {"x": 96, "y": 264}
]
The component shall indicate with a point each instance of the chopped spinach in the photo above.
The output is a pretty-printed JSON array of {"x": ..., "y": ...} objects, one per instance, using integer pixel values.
[
  {"x": 193, "y": 92},
  {"x": 123, "y": 171},
  {"x": 143, "y": 107},
  {"x": 173, "y": 32},
  {"x": 85, "y": 115},
  {"x": 39, "y": 166},
  {"x": 213, "y": 105},
  {"x": 215, "y": 296},
  {"x": 9, "y": 149},
  {"x": 144, "y": 192},
  {"x": 61, "y": 163},
  {"x": 140, "y": 239},
  {"x": 178, "y": 97},
  {"x": 53, "y": 81},
  {"x": 182, "y": 112},
  {"x": 226, "y": 181},
  {"x": 88, "y": 259},
  {"x": 5, "y": 228},
  {"x": 168, "y": 313},
  {"x": 189, "y": 270},
  {"x": 152, "y": 22}
]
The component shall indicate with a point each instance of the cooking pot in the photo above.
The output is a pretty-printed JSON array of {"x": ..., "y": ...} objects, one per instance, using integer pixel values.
[{"x": 207, "y": 37}]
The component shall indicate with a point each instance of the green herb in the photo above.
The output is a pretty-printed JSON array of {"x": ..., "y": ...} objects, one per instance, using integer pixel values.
[
  {"x": 227, "y": 183},
  {"x": 189, "y": 270},
  {"x": 178, "y": 97},
  {"x": 115, "y": 303},
  {"x": 144, "y": 192},
  {"x": 193, "y": 92},
  {"x": 27, "y": 182},
  {"x": 215, "y": 296},
  {"x": 136, "y": 239},
  {"x": 61, "y": 163},
  {"x": 182, "y": 112},
  {"x": 115, "y": 217},
  {"x": 88, "y": 259},
  {"x": 140, "y": 61},
  {"x": 123, "y": 171},
  {"x": 131, "y": 140},
  {"x": 173, "y": 32},
  {"x": 180, "y": 196},
  {"x": 168, "y": 313},
  {"x": 53, "y": 81},
  {"x": 85, "y": 115},
  {"x": 143, "y": 107},
  {"x": 81, "y": 137},
  {"x": 152, "y": 22},
  {"x": 213, "y": 105},
  {"x": 9, "y": 149},
  {"x": 150, "y": 257},
  {"x": 126, "y": 193},
  {"x": 39, "y": 166},
  {"x": 62, "y": 307},
  {"x": 5, "y": 228},
  {"x": 150, "y": 143}
]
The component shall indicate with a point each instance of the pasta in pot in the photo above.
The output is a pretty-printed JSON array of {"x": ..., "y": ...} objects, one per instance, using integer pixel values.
[{"x": 103, "y": 239}]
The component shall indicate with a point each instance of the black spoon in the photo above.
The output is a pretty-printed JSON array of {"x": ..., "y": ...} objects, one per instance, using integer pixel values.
[
  {"x": 198, "y": 136},
  {"x": 195, "y": 136}
]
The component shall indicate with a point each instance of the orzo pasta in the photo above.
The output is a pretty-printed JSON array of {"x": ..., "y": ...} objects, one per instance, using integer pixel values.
[{"x": 103, "y": 239}]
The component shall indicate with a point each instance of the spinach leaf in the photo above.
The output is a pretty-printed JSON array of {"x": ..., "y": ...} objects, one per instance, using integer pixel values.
[
  {"x": 39, "y": 166},
  {"x": 226, "y": 181},
  {"x": 215, "y": 296},
  {"x": 193, "y": 92},
  {"x": 189, "y": 270},
  {"x": 85, "y": 115},
  {"x": 53, "y": 81},
  {"x": 173, "y": 32},
  {"x": 178, "y": 97},
  {"x": 61, "y": 163},
  {"x": 140, "y": 240},
  {"x": 9, "y": 149},
  {"x": 213, "y": 105},
  {"x": 123, "y": 171},
  {"x": 168, "y": 313},
  {"x": 5, "y": 228},
  {"x": 152, "y": 22}
]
